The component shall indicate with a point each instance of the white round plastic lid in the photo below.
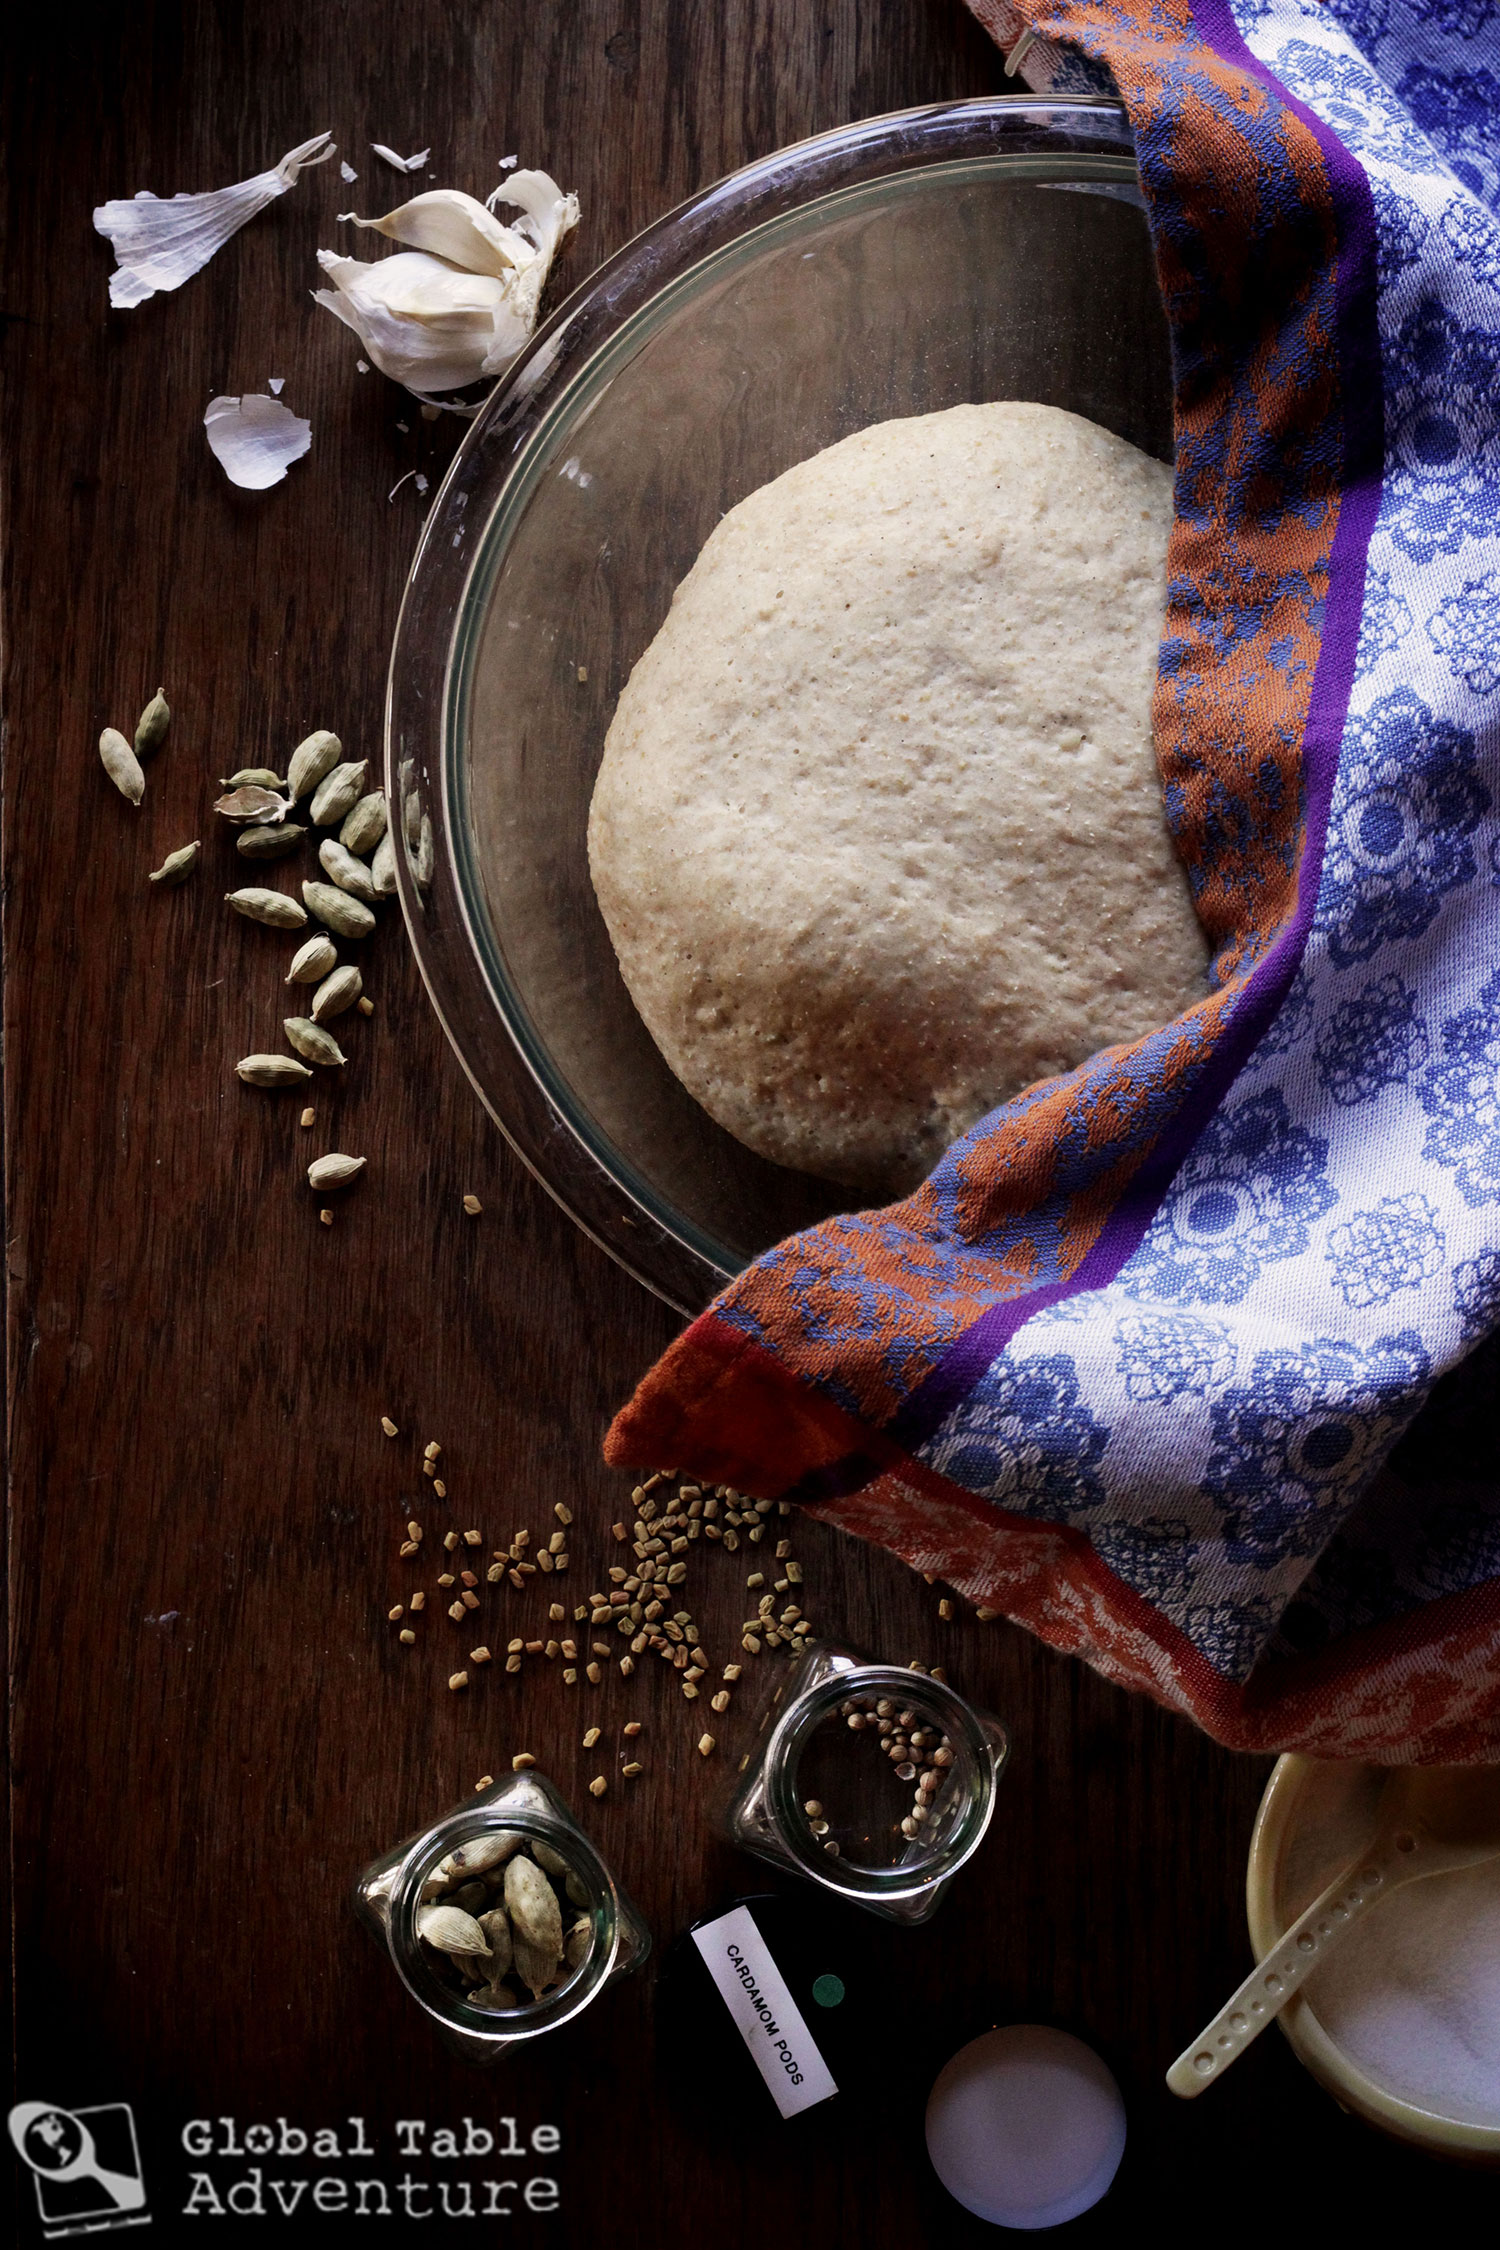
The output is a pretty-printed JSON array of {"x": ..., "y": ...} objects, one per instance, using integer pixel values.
[{"x": 1026, "y": 2126}]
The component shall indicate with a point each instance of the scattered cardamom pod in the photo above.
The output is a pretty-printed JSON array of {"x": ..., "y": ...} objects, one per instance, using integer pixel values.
[
  {"x": 271, "y": 1070},
  {"x": 365, "y": 825},
  {"x": 312, "y": 759},
  {"x": 270, "y": 843},
  {"x": 252, "y": 803},
  {"x": 334, "y": 1172},
  {"x": 311, "y": 962},
  {"x": 451, "y": 1930},
  {"x": 535, "y": 1915},
  {"x": 275, "y": 908},
  {"x": 312, "y": 1042},
  {"x": 151, "y": 727},
  {"x": 341, "y": 912},
  {"x": 349, "y": 873},
  {"x": 177, "y": 866},
  {"x": 496, "y": 1927},
  {"x": 251, "y": 777},
  {"x": 122, "y": 765},
  {"x": 383, "y": 867},
  {"x": 336, "y": 993},
  {"x": 338, "y": 791}
]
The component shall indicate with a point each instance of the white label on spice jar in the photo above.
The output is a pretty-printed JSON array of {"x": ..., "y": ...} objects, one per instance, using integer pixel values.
[{"x": 766, "y": 2016}]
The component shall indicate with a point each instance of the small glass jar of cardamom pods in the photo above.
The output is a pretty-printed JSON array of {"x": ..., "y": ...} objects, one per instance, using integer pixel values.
[
  {"x": 873, "y": 1781},
  {"x": 502, "y": 1920}
]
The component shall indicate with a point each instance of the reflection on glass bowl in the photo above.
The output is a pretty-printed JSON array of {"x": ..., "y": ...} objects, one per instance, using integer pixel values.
[{"x": 981, "y": 250}]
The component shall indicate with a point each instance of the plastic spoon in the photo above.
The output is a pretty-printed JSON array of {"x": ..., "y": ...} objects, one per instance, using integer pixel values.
[
  {"x": 127, "y": 2192},
  {"x": 1432, "y": 1820}
]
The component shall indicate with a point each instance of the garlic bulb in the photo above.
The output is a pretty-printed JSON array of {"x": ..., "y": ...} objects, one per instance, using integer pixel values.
[
  {"x": 459, "y": 303},
  {"x": 159, "y": 243}
]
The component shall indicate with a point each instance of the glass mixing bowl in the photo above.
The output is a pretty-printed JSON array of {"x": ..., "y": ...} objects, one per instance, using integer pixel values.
[{"x": 979, "y": 250}]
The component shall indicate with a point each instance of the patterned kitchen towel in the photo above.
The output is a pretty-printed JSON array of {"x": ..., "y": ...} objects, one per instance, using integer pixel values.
[{"x": 1144, "y": 1363}]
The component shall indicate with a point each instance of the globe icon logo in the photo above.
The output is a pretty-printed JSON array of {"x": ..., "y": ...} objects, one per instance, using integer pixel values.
[{"x": 53, "y": 2141}]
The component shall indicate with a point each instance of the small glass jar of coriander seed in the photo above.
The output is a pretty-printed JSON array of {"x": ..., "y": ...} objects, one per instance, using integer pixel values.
[
  {"x": 875, "y": 1782},
  {"x": 502, "y": 1920}
]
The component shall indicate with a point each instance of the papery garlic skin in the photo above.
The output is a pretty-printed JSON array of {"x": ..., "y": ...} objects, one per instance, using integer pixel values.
[
  {"x": 456, "y": 307},
  {"x": 255, "y": 440},
  {"x": 161, "y": 242}
]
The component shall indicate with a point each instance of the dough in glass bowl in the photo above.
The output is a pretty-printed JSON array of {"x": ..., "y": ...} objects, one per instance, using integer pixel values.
[{"x": 878, "y": 834}]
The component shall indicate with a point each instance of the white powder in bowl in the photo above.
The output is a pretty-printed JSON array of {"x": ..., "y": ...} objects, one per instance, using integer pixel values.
[{"x": 1412, "y": 1996}]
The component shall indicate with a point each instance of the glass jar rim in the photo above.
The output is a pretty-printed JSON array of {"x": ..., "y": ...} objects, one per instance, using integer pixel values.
[
  {"x": 416, "y": 1971},
  {"x": 969, "y": 1735}
]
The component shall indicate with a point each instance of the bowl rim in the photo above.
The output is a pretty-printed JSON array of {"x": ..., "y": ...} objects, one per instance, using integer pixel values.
[
  {"x": 1084, "y": 136},
  {"x": 1323, "y": 2057}
]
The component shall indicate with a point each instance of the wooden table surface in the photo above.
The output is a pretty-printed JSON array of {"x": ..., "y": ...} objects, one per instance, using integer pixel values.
[{"x": 213, "y": 1724}]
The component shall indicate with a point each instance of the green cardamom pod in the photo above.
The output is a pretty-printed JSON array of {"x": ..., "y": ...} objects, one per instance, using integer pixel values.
[
  {"x": 333, "y": 1172},
  {"x": 122, "y": 765},
  {"x": 262, "y": 806},
  {"x": 311, "y": 760},
  {"x": 312, "y": 1042},
  {"x": 271, "y": 1070},
  {"x": 269, "y": 843},
  {"x": 349, "y": 873},
  {"x": 365, "y": 825},
  {"x": 338, "y": 791},
  {"x": 177, "y": 866},
  {"x": 251, "y": 777},
  {"x": 274, "y": 908},
  {"x": 338, "y": 910},
  {"x": 383, "y": 867},
  {"x": 336, "y": 993},
  {"x": 151, "y": 727},
  {"x": 311, "y": 962}
]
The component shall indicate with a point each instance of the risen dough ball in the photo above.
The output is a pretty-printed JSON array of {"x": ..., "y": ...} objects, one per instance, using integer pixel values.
[{"x": 878, "y": 832}]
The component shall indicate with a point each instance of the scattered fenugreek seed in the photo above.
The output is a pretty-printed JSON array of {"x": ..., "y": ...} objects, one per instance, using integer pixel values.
[
  {"x": 479, "y": 1655},
  {"x": 720, "y": 1702},
  {"x": 458, "y": 1679},
  {"x": 306, "y": 1118},
  {"x": 705, "y": 1745},
  {"x": 598, "y": 1785},
  {"x": 366, "y": 1005},
  {"x": 733, "y": 1671},
  {"x": 945, "y": 1610},
  {"x": 440, "y": 1488},
  {"x": 398, "y": 1611},
  {"x": 473, "y": 1206},
  {"x": 406, "y": 1634},
  {"x": 632, "y": 1728},
  {"x": 521, "y": 1761},
  {"x": 419, "y": 1601},
  {"x": 563, "y": 1514},
  {"x": 409, "y": 1547},
  {"x": 471, "y": 1538},
  {"x": 627, "y": 1665},
  {"x": 590, "y": 1738}
]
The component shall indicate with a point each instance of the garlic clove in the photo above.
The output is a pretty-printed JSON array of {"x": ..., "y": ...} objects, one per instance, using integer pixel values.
[{"x": 449, "y": 224}]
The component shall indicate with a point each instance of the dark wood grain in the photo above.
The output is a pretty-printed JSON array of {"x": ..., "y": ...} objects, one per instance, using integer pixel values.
[{"x": 212, "y": 1725}]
